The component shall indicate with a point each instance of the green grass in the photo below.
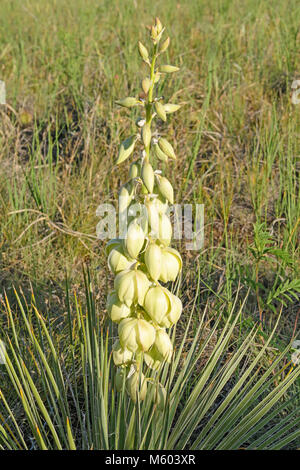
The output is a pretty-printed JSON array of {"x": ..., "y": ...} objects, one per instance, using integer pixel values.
[
  {"x": 58, "y": 389},
  {"x": 236, "y": 138}
]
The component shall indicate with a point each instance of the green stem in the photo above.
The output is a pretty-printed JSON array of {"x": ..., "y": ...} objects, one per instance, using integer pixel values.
[
  {"x": 152, "y": 74},
  {"x": 138, "y": 360},
  {"x": 150, "y": 97}
]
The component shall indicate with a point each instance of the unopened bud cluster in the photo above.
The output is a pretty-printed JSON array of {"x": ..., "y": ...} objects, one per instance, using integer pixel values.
[{"x": 143, "y": 261}]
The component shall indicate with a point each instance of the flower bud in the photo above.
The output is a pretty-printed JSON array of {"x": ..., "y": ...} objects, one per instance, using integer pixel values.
[
  {"x": 153, "y": 260},
  {"x": 145, "y": 335},
  {"x": 160, "y": 110},
  {"x": 171, "y": 108},
  {"x": 146, "y": 134},
  {"x": 163, "y": 345},
  {"x": 121, "y": 356},
  {"x": 171, "y": 264},
  {"x": 126, "y": 149},
  {"x": 160, "y": 154},
  {"x": 117, "y": 260},
  {"x": 127, "y": 334},
  {"x": 160, "y": 352},
  {"x": 128, "y": 102},
  {"x": 126, "y": 195},
  {"x": 159, "y": 397},
  {"x": 120, "y": 378},
  {"x": 153, "y": 32},
  {"x": 143, "y": 52},
  {"x": 165, "y": 45},
  {"x": 166, "y": 147},
  {"x": 146, "y": 84},
  {"x": 136, "y": 386},
  {"x": 135, "y": 169},
  {"x": 168, "y": 69},
  {"x": 173, "y": 315},
  {"x": 117, "y": 311},
  {"x": 153, "y": 218},
  {"x": 166, "y": 189},
  {"x": 158, "y": 25},
  {"x": 157, "y": 303},
  {"x": 131, "y": 286},
  {"x": 164, "y": 230},
  {"x": 134, "y": 240},
  {"x": 148, "y": 176},
  {"x": 136, "y": 334}
]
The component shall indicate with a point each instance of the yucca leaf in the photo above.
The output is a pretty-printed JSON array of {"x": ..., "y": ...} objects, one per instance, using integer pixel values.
[{"x": 199, "y": 414}]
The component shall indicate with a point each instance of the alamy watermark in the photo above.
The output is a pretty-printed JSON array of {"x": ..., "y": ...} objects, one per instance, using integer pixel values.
[{"x": 187, "y": 221}]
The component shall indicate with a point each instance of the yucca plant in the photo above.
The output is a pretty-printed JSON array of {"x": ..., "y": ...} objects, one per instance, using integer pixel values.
[{"x": 59, "y": 388}]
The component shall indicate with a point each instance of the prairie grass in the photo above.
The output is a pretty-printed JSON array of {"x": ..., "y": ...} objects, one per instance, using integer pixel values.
[{"x": 236, "y": 138}]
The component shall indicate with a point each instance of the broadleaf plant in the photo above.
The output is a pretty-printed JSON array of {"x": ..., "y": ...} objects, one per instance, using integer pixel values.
[{"x": 143, "y": 259}]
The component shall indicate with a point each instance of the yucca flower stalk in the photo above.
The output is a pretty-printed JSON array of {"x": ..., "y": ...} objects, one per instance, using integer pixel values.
[{"x": 143, "y": 261}]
